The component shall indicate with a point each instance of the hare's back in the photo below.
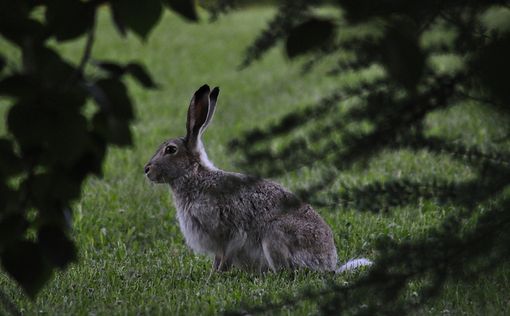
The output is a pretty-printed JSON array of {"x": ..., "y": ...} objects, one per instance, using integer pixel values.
[{"x": 258, "y": 196}]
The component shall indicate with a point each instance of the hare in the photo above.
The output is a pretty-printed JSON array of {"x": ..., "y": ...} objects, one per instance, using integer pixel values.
[{"x": 240, "y": 220}]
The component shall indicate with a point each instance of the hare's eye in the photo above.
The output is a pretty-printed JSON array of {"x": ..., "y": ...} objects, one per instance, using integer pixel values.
[{"x": 170, "y": 149}]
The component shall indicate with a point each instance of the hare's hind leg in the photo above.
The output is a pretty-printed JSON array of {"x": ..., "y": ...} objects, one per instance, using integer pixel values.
[
  {"x": 223, "y": 259},
  {"x": 276, "y": 253},
  {"x": 216, "y": 263},
  {"x": 220, "y": 263}
]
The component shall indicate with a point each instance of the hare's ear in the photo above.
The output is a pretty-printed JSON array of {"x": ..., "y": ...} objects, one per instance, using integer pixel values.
[
  {"x": 212, "y": 106},
  {"x": 198, "y": 112}
]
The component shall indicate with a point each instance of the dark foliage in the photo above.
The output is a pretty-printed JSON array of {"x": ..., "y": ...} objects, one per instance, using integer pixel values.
[
  {"x": 354, "y": 125},
  {"x": 51, "y": 145}
]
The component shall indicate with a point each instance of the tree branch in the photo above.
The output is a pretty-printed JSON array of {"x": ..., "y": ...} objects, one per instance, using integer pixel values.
[
  {"x": 86, "y": 53},
  {"x": 88, "y": 46}
]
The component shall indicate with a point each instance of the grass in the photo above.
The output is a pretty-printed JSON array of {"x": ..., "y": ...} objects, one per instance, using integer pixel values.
[{"x": 132, "y": 255}]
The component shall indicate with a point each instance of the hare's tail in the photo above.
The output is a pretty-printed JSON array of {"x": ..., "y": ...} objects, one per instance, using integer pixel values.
[{"x": 353, "y": 264}]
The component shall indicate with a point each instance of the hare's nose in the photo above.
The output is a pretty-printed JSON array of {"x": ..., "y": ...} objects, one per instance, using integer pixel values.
[{"x": 147, "y": 168}]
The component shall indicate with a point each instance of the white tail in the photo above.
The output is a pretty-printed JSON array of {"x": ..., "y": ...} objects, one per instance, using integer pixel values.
[{"x": 353, "y": 264}]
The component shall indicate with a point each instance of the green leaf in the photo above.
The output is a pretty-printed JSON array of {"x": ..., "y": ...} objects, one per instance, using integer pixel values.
[
  {"x": 113, "y": 130},
  {"x": 139, "y": 72},
  {"x": 59, "y": 131},
  {"x": 22, "y": 115},
  {"x": 12, "y": 228},
  {"x": 185, "y": 8},
  {"x": 111, "y": 122},
  {"x": 138, "y": 16},
  {"x": 17, "y": 85},
  {"x": 309, "y": 35},
  {"x": 10, "y": 163},
  {"x": 115, "y": 69},
  {"x": 91, "y": 160},
  {"x": 50, "y": 189},
  {"x": 113, "y": 98},
  {"x": 16, "y": 24},
  {"x": 9, "y": 199},
  {"x": 69, "y": 19},
  {"x": 50, "y": 69},
  {"x": 119, "y": 25},
  {"x": 56, "y": 246},
  {"x": 3, "y": 62},
  {"x": 24, "y": 262}
]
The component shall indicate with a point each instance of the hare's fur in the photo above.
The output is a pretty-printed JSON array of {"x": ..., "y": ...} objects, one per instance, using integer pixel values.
[
  {"x": 252, "y": 223},
  {"x": 240, "y": 220}
]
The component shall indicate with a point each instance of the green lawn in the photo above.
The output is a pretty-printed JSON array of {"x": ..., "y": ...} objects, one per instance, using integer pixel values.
[{"x": 132, "y": 255}]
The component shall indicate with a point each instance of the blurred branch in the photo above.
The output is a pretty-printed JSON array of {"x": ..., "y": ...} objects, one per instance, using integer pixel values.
[
  {"x": 289, "y": 13},
  {"x": 459, "y": 151},
  {"x": 86, "y": 51},
  {"x": 479, "y": 99}
]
